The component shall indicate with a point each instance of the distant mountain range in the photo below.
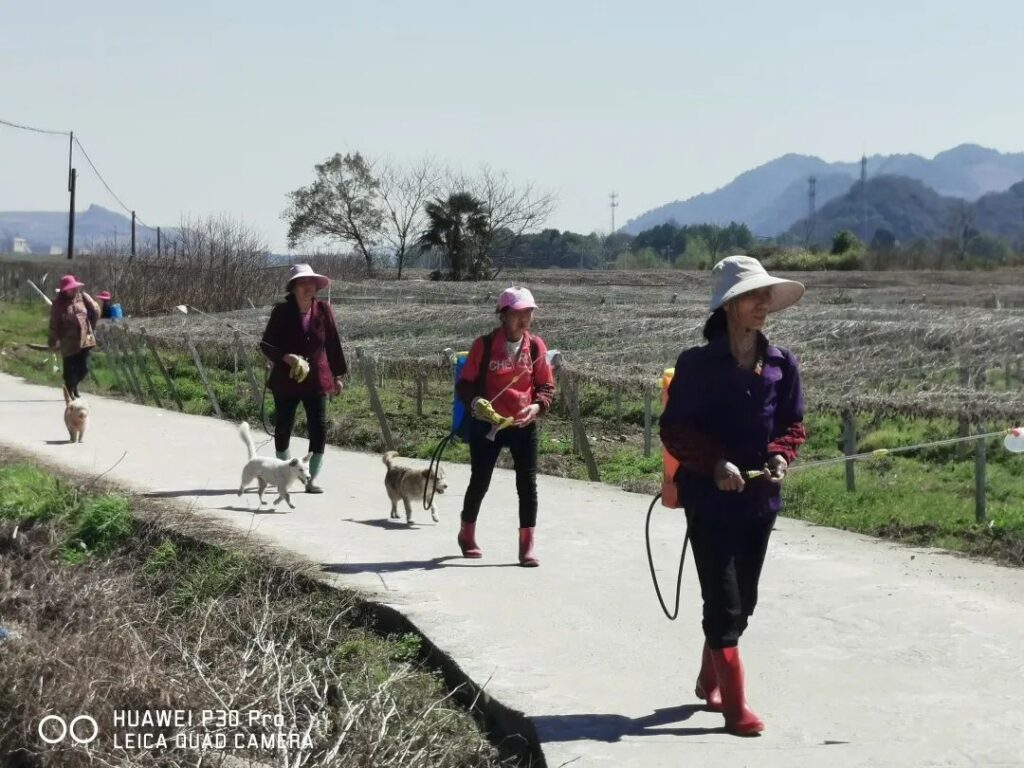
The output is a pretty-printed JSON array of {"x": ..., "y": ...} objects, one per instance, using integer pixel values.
[
  {"x": 909, "y": 210},
  {"x": 771, "y": 198},
  {"x": 94, "y": 227}
]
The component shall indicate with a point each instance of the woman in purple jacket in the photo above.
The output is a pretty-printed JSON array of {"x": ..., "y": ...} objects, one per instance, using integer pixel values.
[
  {"x": 734, "y": 405},
  {"x": 301, "y": 340}
]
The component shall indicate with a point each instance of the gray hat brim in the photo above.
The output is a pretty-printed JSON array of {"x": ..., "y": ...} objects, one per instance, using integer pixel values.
[{"x": 785, "y": 293}]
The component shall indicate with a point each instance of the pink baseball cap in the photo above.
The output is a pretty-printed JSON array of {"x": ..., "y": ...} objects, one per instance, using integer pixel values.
[{"x": 516, "y": 298}]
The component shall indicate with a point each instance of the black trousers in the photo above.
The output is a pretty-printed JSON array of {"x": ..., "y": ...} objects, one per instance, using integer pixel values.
[
  {"x": 76, "y": 368},
  {"x": 285, "y": 407},
  {"x": 483, "y": 454},
  {"x": 729, "y": 551}
]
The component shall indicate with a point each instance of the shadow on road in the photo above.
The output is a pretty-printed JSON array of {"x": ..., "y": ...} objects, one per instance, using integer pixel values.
[{"x": 612, "y": 728}]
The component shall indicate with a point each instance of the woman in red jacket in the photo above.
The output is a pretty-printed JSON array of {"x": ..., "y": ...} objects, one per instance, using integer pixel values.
[
  {"x": 72, "y": 318},
  {"x": 509, "y": 368},
  {"x": 302, "y": 342}
]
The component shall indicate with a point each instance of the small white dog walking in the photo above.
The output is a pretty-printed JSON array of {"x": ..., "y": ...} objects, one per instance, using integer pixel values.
[{"x": 280, "y": 473}]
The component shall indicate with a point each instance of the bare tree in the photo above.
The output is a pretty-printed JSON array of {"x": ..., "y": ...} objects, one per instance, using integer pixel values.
[
  {"x": 404, "y": 191},
  {"x": 512, "y": 210},
  {"x": 342, "y": 203}
]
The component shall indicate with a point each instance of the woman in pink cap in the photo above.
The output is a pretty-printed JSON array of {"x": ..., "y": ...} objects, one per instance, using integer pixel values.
[
  {"x": 301, "y": 340},
  {"x": 508, "y": 367},
  {"x": 71, "y": 332}
]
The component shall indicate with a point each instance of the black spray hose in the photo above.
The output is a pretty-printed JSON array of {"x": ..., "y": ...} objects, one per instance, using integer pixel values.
[
  {"x": 650, "y": 562},
  {"x": 435, "y": 465}
]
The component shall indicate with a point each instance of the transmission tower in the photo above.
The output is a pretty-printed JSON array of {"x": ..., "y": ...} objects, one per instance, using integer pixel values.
[
  {"x": 864, "y": 196},
  {"x": 811, "y": 208},
  {"x": 613, "y": 197}
]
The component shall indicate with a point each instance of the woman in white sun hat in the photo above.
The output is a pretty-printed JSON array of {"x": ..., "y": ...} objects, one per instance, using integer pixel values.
[
  {"x": 301, "y": 340},
  {"x": 509, "y": 368},
  {"x": 734, "y": 405}
]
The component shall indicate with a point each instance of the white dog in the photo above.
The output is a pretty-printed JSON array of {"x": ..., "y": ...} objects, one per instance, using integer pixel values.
[
  {"x": 76, "y": 416},
  {"x": 280, "y": 473}
]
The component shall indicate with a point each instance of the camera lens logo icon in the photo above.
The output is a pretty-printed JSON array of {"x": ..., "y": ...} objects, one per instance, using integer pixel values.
[{"x": 77, "y": 729}]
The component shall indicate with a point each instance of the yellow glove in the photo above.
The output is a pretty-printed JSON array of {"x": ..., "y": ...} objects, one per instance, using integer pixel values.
[
  {"x": 300, "y": 369},
  {"x": 483, "y": 410}
]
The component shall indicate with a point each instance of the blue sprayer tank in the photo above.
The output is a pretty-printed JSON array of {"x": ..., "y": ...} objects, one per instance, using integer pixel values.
[{"x": 458, "y": 409}]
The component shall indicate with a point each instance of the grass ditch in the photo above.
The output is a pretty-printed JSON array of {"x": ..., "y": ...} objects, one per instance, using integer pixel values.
[
  {"x": 925, "y": 499},
  {"x": 110, "y": 606}
]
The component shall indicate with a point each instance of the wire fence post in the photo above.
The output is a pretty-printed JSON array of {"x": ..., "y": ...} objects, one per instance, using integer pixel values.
[
  {"x": 367, "y": 366},
  {"x": 572, "y": 394},
  {"x": 122, "y": 347},
  {"x": 140, "y": 358},
  {"x": 963, "y": 423},
  {"x": 648, "y": 419},
  {"x": 163, "y": 369},
  {"x": 980, "y": 464},
  {"x": 110, "y": 352},
  {"x": 849, "y": 447},
  {"x": 419, "y": 394},
  {"x": 202, "y": 375},
  {"x": 241, "y": 351}
]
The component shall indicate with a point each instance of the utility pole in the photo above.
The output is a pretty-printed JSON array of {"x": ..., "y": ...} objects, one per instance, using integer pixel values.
[
  {"x": 158, "y": 242},
  {"x": 72, "y": 183},
  {"x": 613, "y": 197},
  {"x": 133, "y": 236}
]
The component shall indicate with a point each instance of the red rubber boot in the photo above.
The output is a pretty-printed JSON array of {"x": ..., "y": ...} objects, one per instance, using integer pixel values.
[
  {"x": 527, "y": 558},
  {"x": 739, "y": 720},
  {"x": 467, "y": 541},
  {"x": 707, "y": 682}
]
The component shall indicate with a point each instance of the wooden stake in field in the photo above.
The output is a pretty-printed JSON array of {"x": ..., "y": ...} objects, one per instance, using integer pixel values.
[
  {"x": 202, "y": 375},
  {"x": 849, "y": 447},
  {"x": 121, "y": 345},
  {"x": 242, "y": 352},
  {"x": 367, "y": 366},
  {"x": 163, "y": 369},
  {"x": 140, "y": 358}
]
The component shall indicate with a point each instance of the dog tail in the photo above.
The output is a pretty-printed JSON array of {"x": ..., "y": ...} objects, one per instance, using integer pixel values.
[
  {"x": 67, "y": 396},
  {"x": 243, "y": 430},
  {"x": 388, "y": 457}
]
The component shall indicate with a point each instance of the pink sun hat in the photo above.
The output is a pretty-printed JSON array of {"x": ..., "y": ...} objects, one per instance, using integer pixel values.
[
  {"x": 516, "y": 298},
  {"x": 103, "y": 295},
  {"x": 68, "y": 283}
]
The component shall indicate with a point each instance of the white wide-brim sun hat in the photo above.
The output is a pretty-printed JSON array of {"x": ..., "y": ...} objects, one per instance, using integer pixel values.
[
  {"x": 298, "y": 271},
  {"x": 735, "y": 275}
]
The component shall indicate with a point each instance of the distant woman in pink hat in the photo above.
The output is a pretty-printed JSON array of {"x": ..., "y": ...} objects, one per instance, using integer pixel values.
[
  {"x": 71, "y": 332},
  {"x": 509, "y": 368},
  {"x": 301, "y": 340}
]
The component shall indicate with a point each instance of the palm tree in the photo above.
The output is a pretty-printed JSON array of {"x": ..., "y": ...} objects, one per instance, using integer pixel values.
[{"x": 457, "y": 226}]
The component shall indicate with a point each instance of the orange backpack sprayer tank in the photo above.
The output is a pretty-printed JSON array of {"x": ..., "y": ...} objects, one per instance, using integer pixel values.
[{"x": 669, "y": 465}]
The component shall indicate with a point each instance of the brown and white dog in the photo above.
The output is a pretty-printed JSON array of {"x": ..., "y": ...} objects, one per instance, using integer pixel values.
[
  {"x": 76, "y": 416},
  {"x": 407, "y": 483}
]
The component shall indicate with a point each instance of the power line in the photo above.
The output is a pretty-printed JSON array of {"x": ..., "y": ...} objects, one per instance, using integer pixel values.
[
  {"x": 34, "y": 130},
  {"x": 104, "y": 182},
  {"x": 88, "y": 159}
]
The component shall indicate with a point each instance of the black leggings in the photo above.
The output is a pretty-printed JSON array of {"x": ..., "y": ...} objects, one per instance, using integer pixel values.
[
  {"x": 483, "y": 454},
  {"x": 316, "y": 420},
  {"x": 728, "y": 550},
  {"x": 76, "y": 368}
]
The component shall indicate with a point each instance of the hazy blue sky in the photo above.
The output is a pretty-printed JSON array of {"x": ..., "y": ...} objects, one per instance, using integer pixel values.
[{"x": 224, "y": 107}]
